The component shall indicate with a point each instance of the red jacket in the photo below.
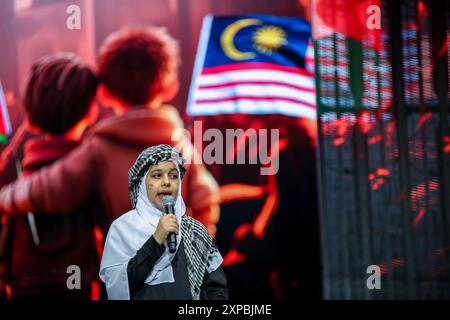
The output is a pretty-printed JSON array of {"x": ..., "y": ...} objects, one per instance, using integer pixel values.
[
  {"x": 64, "y": 239},
  {"x": 101, "y": 165}
]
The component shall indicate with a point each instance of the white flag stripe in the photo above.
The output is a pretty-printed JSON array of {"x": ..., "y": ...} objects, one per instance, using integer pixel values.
[
  {"x": 254, "y": 75},
  {"x": 254, "y": 107},
  {"x": 255, "y": 90}
]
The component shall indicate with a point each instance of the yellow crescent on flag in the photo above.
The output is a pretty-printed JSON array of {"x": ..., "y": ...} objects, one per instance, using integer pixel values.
[{"x": 227, "y": 39}]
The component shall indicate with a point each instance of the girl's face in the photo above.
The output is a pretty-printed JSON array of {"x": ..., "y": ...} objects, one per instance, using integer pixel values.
[{"x": 162, "y": 179}]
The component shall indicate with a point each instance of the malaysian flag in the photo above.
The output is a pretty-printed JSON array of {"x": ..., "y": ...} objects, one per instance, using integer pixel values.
[{"x": 255, "y": 65}]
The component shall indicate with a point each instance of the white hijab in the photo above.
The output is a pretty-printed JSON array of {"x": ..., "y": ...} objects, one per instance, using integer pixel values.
[{"x": 127, "y": 235}]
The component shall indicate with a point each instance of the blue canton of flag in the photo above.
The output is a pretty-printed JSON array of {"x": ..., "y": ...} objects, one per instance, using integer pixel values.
[{"x": 254, "y": 64}]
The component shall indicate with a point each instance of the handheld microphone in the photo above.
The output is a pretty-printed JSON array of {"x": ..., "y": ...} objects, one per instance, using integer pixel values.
[{"x": 168, "y": 204}]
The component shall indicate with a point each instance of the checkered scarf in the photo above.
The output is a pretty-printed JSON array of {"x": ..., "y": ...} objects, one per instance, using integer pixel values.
[{"x": 198, "y": 244}]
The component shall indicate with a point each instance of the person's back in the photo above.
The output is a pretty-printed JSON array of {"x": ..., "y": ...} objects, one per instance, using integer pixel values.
[
  {"x": 155, "y": 251},
  {"x": 59, "y": 93}
]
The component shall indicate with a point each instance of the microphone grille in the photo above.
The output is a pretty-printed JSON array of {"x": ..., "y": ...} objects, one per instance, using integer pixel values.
[{"x": 168, "y": 200}]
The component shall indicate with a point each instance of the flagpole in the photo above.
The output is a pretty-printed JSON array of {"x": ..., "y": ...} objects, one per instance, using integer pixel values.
[{"x": 8, "y": 131}]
